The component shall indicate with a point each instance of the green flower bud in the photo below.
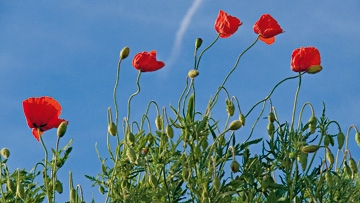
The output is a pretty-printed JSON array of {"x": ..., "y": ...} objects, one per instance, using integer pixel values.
[
  {"x": 329, "y": 178},
  {"x": 20, "y": 193},
  {"x": 5, "y": 152},
  {"x": 310, "y": 148},
  {"x": 353, "y": 166},
  {"x": 130, "y": 137},
  {"x": 271, "y": 117},
  {"x": 235, "y": 166},
  {"x": 216, "y": 183},
  {"x": 62, "y": 129},
  {"x": 230, "y": 108},
  {"x": 314, "y": 69},
  {"x": 347, "y": 169},
  {"x": 198, "y": 43},
  {"x": 10, "y": 185},
  {"x": 102, "y": 189},
  {"x": 242, "y": 119},
  {"x": 169, "y": 131},
  {"x": 124, "y": 53},
  {"x": 235, "y": 125},
  {"x": 131, "y": 154},
  {"x": 312, "y": 124},
  {"x": 340, "y": 139},
  {"x": 112, "y": 129},
  {"x": 330, "y": 157},
  {"x": 159, "y": 122},
  {"x": 357, "y": 138},
  {"x": 153, "y": 181},
  {"x": 303, "y": 158},
  {"x": 271, "y": 129},
  {"x": 58, "y": 186},
  {"x": 193, "y": 73}
]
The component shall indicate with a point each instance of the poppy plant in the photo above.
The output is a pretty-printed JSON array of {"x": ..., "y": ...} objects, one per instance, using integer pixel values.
[
  {"x": 226, "y": 25},
  {"x": 267, "y": 28},
  {"x": 305, "y": 58},
  {"x": 146, "y": 61},
  {"x": 42, "y": 113}
]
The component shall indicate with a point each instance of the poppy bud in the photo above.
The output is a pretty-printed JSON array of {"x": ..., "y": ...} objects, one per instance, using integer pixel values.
[
  {"x": 271, "y": 117},
  {"x": 169, "y": 131},
  {"x": 198, "y": 43},
  {"x": 58, "y": 186},
  {"x": 193, "y": 73},
  {"x": 153, "y": 181},
  {"x": 326, "y": 140},
  {"x": 302, "y": 158},
  {"x": 330, "y": 157},
  {"x": 271, "y": 129},
  {"x": 347, "y": 169},
  {"x": 357, "y": 138},
  {"x": 158, "y": 122},
  {"x": 102, "y": 189},
  {"x": 130, "y": 137},
  {"x": 235, "y": 166},
  {"x": 329, "y": 178},
  {"x": 230, "y": 108},
  {"x": 143, "y": 151},
  {"x": 131, "y": 154},
  {"x": 5, "y": 152},
  {"x": 340, "y": 139},
  {"x": 10, "y": 185},
  {"x": 310, "y": 148},
  {"x": 314, "y": 69},
  {"x": 216, "y": 183},
  {"x": 62, "y": 129},
  {"x": 235, "y": 125},
  {"x": 353, "y": 165},
  {"x": 20, "y": 193},
  {"x": 112, "y": 129},
  {"x": 312, "y": 124},
  {"x": 124, "y": 53},
  {"x": 242, "y": 119}
]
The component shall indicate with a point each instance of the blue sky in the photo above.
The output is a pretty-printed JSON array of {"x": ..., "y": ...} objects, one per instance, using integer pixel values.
[{"x": 69, "y": 50}]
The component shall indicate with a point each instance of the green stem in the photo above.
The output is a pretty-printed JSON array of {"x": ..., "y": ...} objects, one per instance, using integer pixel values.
[
  {"x": 115, "y": 101},
  {"x": 197, "y": 65},
  {"x": 134, "y": 94},
  {"x": 45, "y": 169},
  {"x": 295, "y": 103}
]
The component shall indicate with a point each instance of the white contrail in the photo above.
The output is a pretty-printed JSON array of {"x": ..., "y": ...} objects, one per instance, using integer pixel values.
[{"x": 181, "y": 31}]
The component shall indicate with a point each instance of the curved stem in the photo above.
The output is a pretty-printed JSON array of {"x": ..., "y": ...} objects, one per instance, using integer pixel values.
[
  {"x": 301, "y": 112},
  {"x": 134, "y": 94},
  {"x": 295, "y": 103},
  {"x": 115, "y": 101},
  {"x": 197, "y": 65}
]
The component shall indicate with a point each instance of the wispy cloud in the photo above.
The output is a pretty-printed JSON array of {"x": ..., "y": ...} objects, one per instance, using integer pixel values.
[{"x": 181, "y": 31}]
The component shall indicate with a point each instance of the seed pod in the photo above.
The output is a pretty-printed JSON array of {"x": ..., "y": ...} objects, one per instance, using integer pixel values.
[
  {"x": 330, "y": 157},
  {"x": 10, "y": 185},
  {"x": 131, "y": 154},
  {"x": 62, "y": 129},
  {"x": 340, "y": 139},
  {"x": 302, "y": 158},
  {"x": 158, "y": 122},
  {"x": 169, "y": 131},
  {"x": 353, "y": 165},
  {"x": 329, "y": 178},
  {"x": 193, "y": 73},
  {"x": 112, "y": 129},
  {"x": 271, "y": 129},
  {"x": 5, "y": 152},
  {"x": 235, "y": 125},
  {"x": 235, "y": 166},
  {"x": 310, "y": 148},
  {"x": 357, "y": 138},
  {"x": 58, "y": 186},
  {"x": 271, "y": 117},
  {"x": 230, "y": 108},
  {"x": 216, "y": 183},
  {"x": 153, "y": 181},
  {"x": 124, "y": 53},
  {"x": 198, "y": 43},
  {"x": 312, "y": 124},
  {"x": 242, "y": 119}
]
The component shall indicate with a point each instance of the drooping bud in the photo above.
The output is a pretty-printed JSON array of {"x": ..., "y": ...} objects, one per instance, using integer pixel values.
[
  {"x": 62, "y": 129},
  {"x": 10, "y": 185},
  {"x": 235, "y": 166},
  {"x": 310, "y": 148},
  {"x": 230, "y": 108},
  {"x": 314, "y": 69},
  {"x": 20, "y": 193},
  {"x": 271, "y": 129},
  {"x": 326, "y": 140},
  {"x": 193, "y": 73},
  {"x": 347, "y": 169},
  {"x": 340, "y": 139},
  {"x": 153, "y": 181},
  {"x": 329, "y": 178},
  {"x": 124, "y": 53},
  {"x": 303, "y": 158},
  {"x": 58, "y": 186},
  {"x": 198, "y": 43},
  {"x": 102, "y": 189},
  {"x": 271, "y": 117},
  {"x": 131, "y": 154},
  {"x": 312, "y": 124},
  {"x": 357, "y": 138},
  {"x": 130, "y": 138},
  {"x": 158, "y": 122},
  {"x": 112, "y": 129},
  {"x": 353, "y": 165},
  {"x": 235, "y": 125},
  {"x": 5, "y": 152},
  {"x": 242, "y": 119},
  {"x": 169, "y": 131},
  {"x": 330, "y": 157}
]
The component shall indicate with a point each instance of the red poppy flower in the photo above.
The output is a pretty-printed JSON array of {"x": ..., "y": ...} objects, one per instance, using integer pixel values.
[
  {"x": 42, "y": 113},
  {"x": 146, "y": 62},
  {"x": 226, "y": 25},
  {"x": 304, "y": 58},
  {"x": 267, "y": 27}
]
